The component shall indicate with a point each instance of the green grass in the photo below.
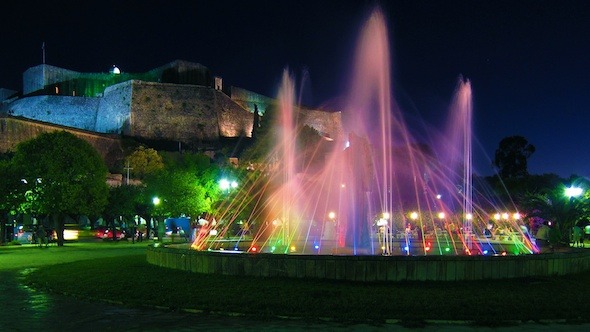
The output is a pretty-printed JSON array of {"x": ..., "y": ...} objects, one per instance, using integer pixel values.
[{"x": 130, "y": 280}]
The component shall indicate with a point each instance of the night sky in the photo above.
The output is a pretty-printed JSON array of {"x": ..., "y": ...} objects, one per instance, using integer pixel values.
[{"x": 528, "y": 61}]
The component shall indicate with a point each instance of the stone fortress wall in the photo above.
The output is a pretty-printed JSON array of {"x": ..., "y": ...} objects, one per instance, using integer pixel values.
[
  {"x": 179, "y": 101},
  {"x": 15, "y": 130}
]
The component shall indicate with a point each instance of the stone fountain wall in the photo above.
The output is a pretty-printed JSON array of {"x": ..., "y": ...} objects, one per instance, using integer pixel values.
[{"x": 371, "y": 268}]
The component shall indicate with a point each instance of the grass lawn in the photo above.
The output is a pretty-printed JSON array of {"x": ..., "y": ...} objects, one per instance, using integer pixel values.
[{"x": 124, "y": 276}]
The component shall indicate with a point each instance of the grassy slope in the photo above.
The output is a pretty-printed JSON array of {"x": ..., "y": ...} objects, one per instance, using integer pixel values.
[{"x": 131, "y": 280}]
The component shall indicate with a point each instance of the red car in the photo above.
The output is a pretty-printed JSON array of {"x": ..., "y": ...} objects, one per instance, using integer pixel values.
[{"x": 106, "y": 233}]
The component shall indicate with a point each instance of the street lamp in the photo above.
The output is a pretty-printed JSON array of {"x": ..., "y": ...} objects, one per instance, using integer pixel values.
[
  {"x": 573, "y": 192},
  {"x": 332, "y": 215},
  {"x": 226, "y": 185}
]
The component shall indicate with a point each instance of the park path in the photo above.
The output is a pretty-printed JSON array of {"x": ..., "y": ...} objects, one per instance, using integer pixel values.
[{"x": 26, "y": 309}]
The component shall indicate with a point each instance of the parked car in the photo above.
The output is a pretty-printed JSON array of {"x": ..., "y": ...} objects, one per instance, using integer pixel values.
[
  {"x": 25, "y": 234},
  {"x": 104, "y": 232}
]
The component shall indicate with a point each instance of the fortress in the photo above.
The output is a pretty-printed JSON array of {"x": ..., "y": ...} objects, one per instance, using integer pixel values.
[{"x": 180, "y": 103}]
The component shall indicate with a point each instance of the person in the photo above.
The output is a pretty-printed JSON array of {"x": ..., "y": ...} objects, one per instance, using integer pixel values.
[
  {"x": 577, "y": 236},
  {"x": 42, "y": 236},
  {"x": 542, "y": 236}
]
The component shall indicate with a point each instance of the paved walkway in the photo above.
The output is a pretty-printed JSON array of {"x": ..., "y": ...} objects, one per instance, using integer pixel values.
[{"x": 25, "y": 309}]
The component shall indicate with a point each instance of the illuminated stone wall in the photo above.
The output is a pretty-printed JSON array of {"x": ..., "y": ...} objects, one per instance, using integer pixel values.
[
  {"x": 36, "y": 78},
  {"x": 77, "y": 112},
  {"x": 16, "y": 130},
  {"x": 114, "y": 109},
  {"x": 186, "y": 113},
  {"x": 327, "y": 123}
]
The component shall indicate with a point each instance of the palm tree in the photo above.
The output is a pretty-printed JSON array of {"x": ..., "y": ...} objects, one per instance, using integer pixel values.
[{"x": 554, "y": 206}]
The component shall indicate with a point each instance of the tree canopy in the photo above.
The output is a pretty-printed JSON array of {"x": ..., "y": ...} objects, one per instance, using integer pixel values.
[
  {"x": 511, "y": 157},
  {"x": 65, "y": 173},
  {"x": 144, "y": 161}
]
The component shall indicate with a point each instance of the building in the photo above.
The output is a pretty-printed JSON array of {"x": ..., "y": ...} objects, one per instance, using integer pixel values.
[{"x": 180, "y": 103}]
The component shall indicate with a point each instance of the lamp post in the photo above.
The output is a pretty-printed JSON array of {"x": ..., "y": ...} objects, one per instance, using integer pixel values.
[
  {"x": 161, "y": 225},
  {"x": 572, "y": 212}
]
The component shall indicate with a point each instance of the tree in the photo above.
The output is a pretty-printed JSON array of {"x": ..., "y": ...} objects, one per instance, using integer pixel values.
[
  {"x": 69, "y": 173},
  {"x": 9, "y": 196},
  {"x": 511, "y": 157},
  {"x": 265, "y": 137},
  {"x": 553, "y": 205},
  {"x": 144, "y": 161},
  {"x": 187, "y": 185},
  {"x": 121, "y": 204}
]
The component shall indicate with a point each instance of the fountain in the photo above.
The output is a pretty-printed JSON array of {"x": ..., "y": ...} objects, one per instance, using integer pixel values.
[
  {"x": 378, "y": 191},
  {"x": 380, "y": 206}
]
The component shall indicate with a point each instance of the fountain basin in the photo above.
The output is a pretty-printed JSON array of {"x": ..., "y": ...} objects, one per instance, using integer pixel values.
[{"x": 370, "y": 268}]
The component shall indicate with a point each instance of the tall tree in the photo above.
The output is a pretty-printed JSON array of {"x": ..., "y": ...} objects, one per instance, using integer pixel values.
[
  {"x": 69, "y": 175},
  {"x": 9, "y": 194},
  {"x": 511, "y": 157},
  {"x": 187, "y": 185}
]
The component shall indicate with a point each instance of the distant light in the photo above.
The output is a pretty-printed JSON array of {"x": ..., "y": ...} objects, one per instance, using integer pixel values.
[
  {"x": 573, "y": 191},
  {"x": 156, "y": 200},
  {"x": 382, "y": 222},
  {"x": 414, "y": 215},
  {"x": 496, "y": 216},
  {"x": 293, "y": 248},
  {"x": 505, "y": 216},
  {"x": 332, "y": 215},
  {"x": 469, "y": 216},
  {"x": 516, "y": 216},
  {"x": 439, "y": 196},
  {"x": 234, "y": 184},
  {"x": 115, "y": 70},
  {"x": 441, "y": 215},
  {"x": 224, "y": 184},
  {"x": 316, "y": 247},
  {"x": 386, "y": 215}
]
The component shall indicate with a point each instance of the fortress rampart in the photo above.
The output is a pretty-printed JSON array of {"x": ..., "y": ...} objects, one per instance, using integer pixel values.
[
  {"x": 177, "y": 102},
  {"x": 15, "y": 130}
]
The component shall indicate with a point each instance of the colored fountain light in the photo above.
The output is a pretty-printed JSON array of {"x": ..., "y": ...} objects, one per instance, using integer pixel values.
[{"x": 336, "y": 206}]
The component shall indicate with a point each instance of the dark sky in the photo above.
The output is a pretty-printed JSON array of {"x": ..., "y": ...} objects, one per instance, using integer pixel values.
[{"x": 528, "y": 61}]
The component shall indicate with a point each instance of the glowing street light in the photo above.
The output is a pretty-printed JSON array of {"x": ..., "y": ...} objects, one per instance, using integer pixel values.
[
  {"x": 226, "y": 184},
  {"x": 573, "y": 192},
  {"x": 414, "y": 215},
  {"x": 156, "y": 200},
  {"x": 332, "y": 215}
]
